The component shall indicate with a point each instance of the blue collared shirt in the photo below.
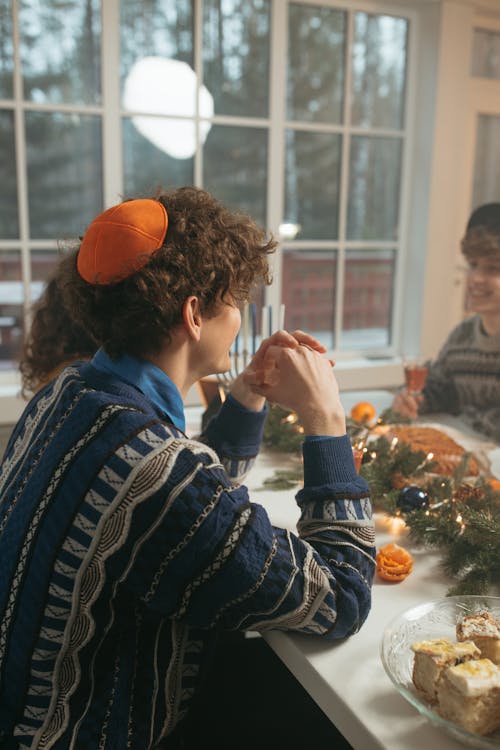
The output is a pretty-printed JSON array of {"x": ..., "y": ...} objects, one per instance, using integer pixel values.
[{"x": 149, "y": 379}]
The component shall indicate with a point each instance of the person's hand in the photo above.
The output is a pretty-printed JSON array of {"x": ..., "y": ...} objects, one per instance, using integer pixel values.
[
  {"x": 242, "y": 390},
  {"x": 406, "y": 404},
  {"x": 300, "y": 379}
]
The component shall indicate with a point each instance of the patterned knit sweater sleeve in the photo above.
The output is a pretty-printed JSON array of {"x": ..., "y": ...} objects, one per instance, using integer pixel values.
[
  {"x": 465, "y": 378},
  {"x": 214, "y": 558}
]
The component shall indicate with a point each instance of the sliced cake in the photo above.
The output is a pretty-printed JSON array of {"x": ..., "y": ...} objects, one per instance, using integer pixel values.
[
  {"x": 433, "y": 656},
  {"x": 469, "y": 695},
  {"x": 484, "y": 631}
]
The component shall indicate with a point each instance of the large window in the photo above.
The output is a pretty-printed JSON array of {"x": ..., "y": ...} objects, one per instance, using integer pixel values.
[{"x": 291, "y": 111}]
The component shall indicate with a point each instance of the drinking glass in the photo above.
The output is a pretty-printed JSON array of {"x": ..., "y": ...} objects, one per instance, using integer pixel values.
[{"x": 415, "y": 370}]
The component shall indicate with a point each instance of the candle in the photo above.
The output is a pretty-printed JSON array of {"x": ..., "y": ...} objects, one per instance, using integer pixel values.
[
  {"x": 281, "y": 324},
  {"x": 264, "y": 321},
  {"x": 244, "y": 327},
  {"x": 253, "y": 316}
]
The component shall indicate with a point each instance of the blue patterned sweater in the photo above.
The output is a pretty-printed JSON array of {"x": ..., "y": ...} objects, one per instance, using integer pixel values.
[{"x": 124, "y": 545}]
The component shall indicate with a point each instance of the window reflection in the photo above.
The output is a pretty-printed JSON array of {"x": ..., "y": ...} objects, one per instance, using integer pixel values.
[
  {"x": 146, "y": 167},
  {"x": 8, "y": 184},
  {"x": 486, "y": 54},
  {"x": 487, "y": 160},
  {"x": 312, "y": 181},
  {"x": 11, "y": 308},
  {"x": 309, "y": 284},
  {"x": 236, "y": 38},
  {"x": 6, "y": 50},
  {"x": 235, "y": 168},
  {"x": 368, "y": 284},
  {"x": 64, "y": 173},
  {"x": 378, "y": 70},
  {"x": 60, "y": 50},
  {"x": 316, "y": 62},
  {"x": 374, "y": 182}
]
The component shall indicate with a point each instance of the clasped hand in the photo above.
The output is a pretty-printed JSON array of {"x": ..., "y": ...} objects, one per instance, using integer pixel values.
[{"x": 289, "y": 369}]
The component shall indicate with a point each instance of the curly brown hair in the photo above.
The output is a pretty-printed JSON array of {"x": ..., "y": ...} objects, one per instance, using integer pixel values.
[
  {"x": 209, "y": 251},
  {"x": 54, "y": 339},
  {"x": 481, "y": 242}
]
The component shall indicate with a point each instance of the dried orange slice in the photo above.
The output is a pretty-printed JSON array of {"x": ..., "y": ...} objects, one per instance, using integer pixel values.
[{"x": 394, "y": 563}]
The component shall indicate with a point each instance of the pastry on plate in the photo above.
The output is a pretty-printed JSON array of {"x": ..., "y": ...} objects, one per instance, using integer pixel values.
[
  {"x": 468, "y": 694},
  {"x": 435, "y": 655}
]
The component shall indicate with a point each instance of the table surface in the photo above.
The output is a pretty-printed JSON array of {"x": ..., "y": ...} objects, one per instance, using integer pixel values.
[{"x": 347, "y": 678}]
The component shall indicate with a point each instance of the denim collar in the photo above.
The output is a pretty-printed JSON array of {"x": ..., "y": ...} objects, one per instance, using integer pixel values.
[{"x": 147, "y": 378}]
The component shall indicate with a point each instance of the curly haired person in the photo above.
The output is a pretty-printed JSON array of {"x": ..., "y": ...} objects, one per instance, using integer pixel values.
[
  {"x": 54, "y": 339},
  {"x": 464, "y": 379},
  {"x": 126, "y": 546}
]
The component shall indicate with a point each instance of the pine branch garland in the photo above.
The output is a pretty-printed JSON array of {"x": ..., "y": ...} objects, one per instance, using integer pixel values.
[{"x": 462, "y": 519}]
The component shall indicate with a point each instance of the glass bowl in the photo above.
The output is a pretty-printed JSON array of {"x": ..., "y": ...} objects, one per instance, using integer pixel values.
[{"x": 434, "y": 619}]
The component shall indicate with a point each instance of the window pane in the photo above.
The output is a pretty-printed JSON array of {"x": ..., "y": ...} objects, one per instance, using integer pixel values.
[
  {"x": 156, "y": 44},
  {"x": 486, "y": 54},
  {"x": 60, "y": 50},
  {"x": 487, "y": 161},
  {"x": 236, "y": 55},
  {"x": 6, "y": 50},
  {"x": 11, "y": 308},
  {"x": 378, "y": 70},
  {"x": 235, "y": 168},
  {"x": 43, "y": 264},
  {"x": 309, "y": 284},
  {"x": 316, "y": 63},
  {"x": 368, "y": 283},
  {"x": 374, "y": 170},
  {"x": 147, "y": 165},
  {"x": 64, "y": 173},
  {"x": 8, "y": 191},
  {"x": 312, "y": 183}
]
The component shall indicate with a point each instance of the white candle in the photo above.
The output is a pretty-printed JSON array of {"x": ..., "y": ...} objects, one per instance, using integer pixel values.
[
  {"x": 245, "y": 333},
  {"x": 264, "y": 323},
  {"x": 281, "y": 323}
]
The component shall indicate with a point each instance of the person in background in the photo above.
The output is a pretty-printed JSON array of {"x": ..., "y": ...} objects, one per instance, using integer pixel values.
[
  {"x": 464, "y": 379},
  {"x": 127, "y": 546},
  {"x": 54, "y": 339}
]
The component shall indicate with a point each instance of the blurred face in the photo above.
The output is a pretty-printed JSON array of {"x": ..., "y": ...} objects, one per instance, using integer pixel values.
[
  {"x": 218, "y": 334},
  {"x": 483, "y": 285}
]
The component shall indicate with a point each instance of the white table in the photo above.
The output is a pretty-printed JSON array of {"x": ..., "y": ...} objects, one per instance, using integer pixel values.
[{"x": 347, "y": 679}]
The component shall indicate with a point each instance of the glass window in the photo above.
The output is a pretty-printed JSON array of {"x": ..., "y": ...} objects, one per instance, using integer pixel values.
[
  {"x": 312, "y": 183},
  {"x": 64, "y": 173},
  {"x": 374, "y": 186},
  {"x": 6, "y": 50},
  {"x": 487, "y": 160},
  {"x": 147, "y": 164},
  {"x": 236, "y": 38},
  {"x": 367, "y": 301},
  {"x": 378, "y": 70},
  {"x": 486, "y": 54},
  {"x": 235, "y": 168},
  {"x": 8, "y": 184},
  {"x": 316, "y": 63},
  {"x": 309, "y": 290},
  {"x": 190, "y": 102},
  {"x": 60, "y": 50},
  {"x": 11, "y": 308}
]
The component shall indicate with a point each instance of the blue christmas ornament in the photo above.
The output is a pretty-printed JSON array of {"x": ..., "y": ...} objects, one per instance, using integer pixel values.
[{"x": 412, "y": 498}]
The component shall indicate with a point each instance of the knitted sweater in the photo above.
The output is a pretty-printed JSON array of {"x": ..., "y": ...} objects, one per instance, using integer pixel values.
[
  {"x": 124, "y": 545},
  {"x": 465, "y": 378}
]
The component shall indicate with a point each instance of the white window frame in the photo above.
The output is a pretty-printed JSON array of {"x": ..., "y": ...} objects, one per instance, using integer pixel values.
[{"x": 433, "y": 207}]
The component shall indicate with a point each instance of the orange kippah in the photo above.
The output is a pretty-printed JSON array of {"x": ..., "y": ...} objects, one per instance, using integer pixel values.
[{"x": 121, "y": 240}]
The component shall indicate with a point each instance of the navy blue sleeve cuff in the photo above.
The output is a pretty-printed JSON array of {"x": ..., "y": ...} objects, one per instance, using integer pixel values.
[
  {"x": 328, "y": 460},
  {"x": 236, "y": 431}
]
